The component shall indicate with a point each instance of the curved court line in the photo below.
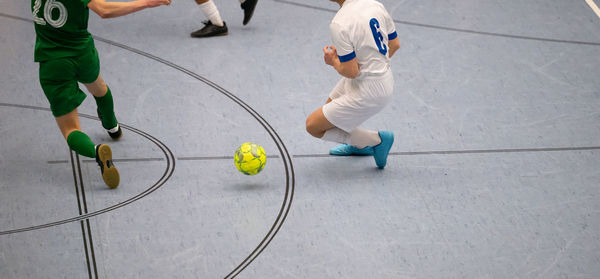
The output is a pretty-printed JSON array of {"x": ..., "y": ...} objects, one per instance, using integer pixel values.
[
  {"x": 162, "y": 180},
  {"x": 455, "y": 29},
  {"x": 286, "y": 158}
]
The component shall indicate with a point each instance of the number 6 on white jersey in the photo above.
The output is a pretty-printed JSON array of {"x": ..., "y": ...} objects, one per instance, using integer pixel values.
[{"x": 378, "y": 36}]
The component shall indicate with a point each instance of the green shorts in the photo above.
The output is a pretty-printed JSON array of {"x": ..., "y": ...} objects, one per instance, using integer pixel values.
[{"x": 59, "y": 78}]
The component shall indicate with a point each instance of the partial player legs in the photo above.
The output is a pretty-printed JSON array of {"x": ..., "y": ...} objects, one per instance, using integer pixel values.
[
  {"x": 76, "y": 139},
  {"x": 81, "y": 143},
  {"x": 345, "y": 149},
  {"x": 358, "y": 142},
  {"x": 215, "y": 26},
  {"x": 105, "y": 104},
  {"x": 361, "y": 142},
  {"x": 248, "y": 7},
  {"x": 350, "y": 103},
  {"x": 98, "y": 87},
  {"x": 317, "y": 124}
]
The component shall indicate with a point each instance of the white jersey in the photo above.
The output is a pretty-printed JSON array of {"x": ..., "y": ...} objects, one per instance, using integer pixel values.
[{"x": 362, "y": 29}]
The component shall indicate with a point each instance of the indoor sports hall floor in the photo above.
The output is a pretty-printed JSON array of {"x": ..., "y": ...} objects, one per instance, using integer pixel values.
[{"x": 495, "y": 171}]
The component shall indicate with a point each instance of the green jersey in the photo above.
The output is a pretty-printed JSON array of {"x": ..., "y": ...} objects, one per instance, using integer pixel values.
[{"x": 61, "y": 28}]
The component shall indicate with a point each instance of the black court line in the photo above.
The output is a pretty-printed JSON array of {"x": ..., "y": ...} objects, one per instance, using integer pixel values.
[
  {"x": 313, "y": 156},
  {"x": 87, "y": 221},
  {"x": 24, "y": 106},
  {"x": 290, "y": 176},
  {"x": 15, "y": 17},
  {"x": 190, "y": 158},
  {"x": 85, "y": 246},
  {"x": 287, "y": 159},
  {"x": 436, "y": 152},
  {"x": 170, "y": 168},
  {"x": 83, "y": 228},
  {"x": 407, "y": 153},
  {"x": 473, "y": 151},
  {"x": 480, "y": 151},
  {"x": 114, "y": 160},
  {"x": 439, "y": 27},
  {"x": 204, "y": 158}
]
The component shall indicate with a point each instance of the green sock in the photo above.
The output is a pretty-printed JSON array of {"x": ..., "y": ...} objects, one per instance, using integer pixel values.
[
  {"x": 82, "y": 144},
  {"x": 106, "y": 110}
]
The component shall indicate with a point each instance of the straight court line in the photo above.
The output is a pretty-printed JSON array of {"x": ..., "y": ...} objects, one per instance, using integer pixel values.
[
  {"x": 594, "y": 7},
  {"x": 472, "y": 151},
  {"x": 114, "y": 160},
  {"x": 453, "y": 29},
  {"x": 413, "y": 153}
]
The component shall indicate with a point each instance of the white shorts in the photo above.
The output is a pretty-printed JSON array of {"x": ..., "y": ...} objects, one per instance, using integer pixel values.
[{"x": 354, "y": 101}]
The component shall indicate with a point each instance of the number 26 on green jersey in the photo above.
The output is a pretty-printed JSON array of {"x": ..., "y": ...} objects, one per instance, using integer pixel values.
[{"x": 48, "y": 8}]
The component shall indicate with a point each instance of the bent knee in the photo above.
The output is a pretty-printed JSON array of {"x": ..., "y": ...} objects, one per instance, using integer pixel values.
[{"x": 312, "y": 128}]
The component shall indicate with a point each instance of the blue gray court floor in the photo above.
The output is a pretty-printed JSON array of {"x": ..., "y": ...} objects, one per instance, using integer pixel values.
[{"x": 495, "y": 171}]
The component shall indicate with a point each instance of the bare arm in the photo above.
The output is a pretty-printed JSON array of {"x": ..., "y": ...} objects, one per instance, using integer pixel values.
[
  {"x": 394, "y": 45},
  {"x": 116, "y": 9},
  {"x": 347, "y": 69}
]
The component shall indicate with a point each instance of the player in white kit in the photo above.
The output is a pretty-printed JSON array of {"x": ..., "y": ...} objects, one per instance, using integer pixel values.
[{"x": 364, "y": 40}]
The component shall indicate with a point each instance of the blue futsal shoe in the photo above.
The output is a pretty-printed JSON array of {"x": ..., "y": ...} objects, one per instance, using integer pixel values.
[
  {"x": 381, "y": 151},
  {"x": 349, "y": 150}
]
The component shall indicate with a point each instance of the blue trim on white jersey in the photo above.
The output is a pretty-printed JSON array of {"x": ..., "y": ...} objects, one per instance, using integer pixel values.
[
  {"x": 347, "y": 57},
  {"x": 392, "y": 36}
]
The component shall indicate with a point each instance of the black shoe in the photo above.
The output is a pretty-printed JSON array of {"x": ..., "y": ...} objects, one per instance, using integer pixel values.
[
  {"x": 210, "y": 30},
  {"x": 116, "y": 134},
  {"x": 248, "y": 7},
  {"x": 109, "y": 172}
]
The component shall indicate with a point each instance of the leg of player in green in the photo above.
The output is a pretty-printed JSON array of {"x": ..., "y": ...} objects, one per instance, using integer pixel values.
[
  {"x": 79, "y": 142},
  {"x": 105, "y": 109},
  {"x": 58, "y": 78},
  {"x": 66, "y": 53}
]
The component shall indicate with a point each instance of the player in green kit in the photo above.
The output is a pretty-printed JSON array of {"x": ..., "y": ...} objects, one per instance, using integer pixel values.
[{"x": 66, "y": 54}]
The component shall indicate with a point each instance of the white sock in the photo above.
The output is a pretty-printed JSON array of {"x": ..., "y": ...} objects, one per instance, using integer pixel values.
[
  {"x": 210, "y": 11},
  {"x": 115, "y": 129},
  {"x": 336, "y": 135},
  {"x": 362, "y": 138},
  {"x": 242, "y": 1}
]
